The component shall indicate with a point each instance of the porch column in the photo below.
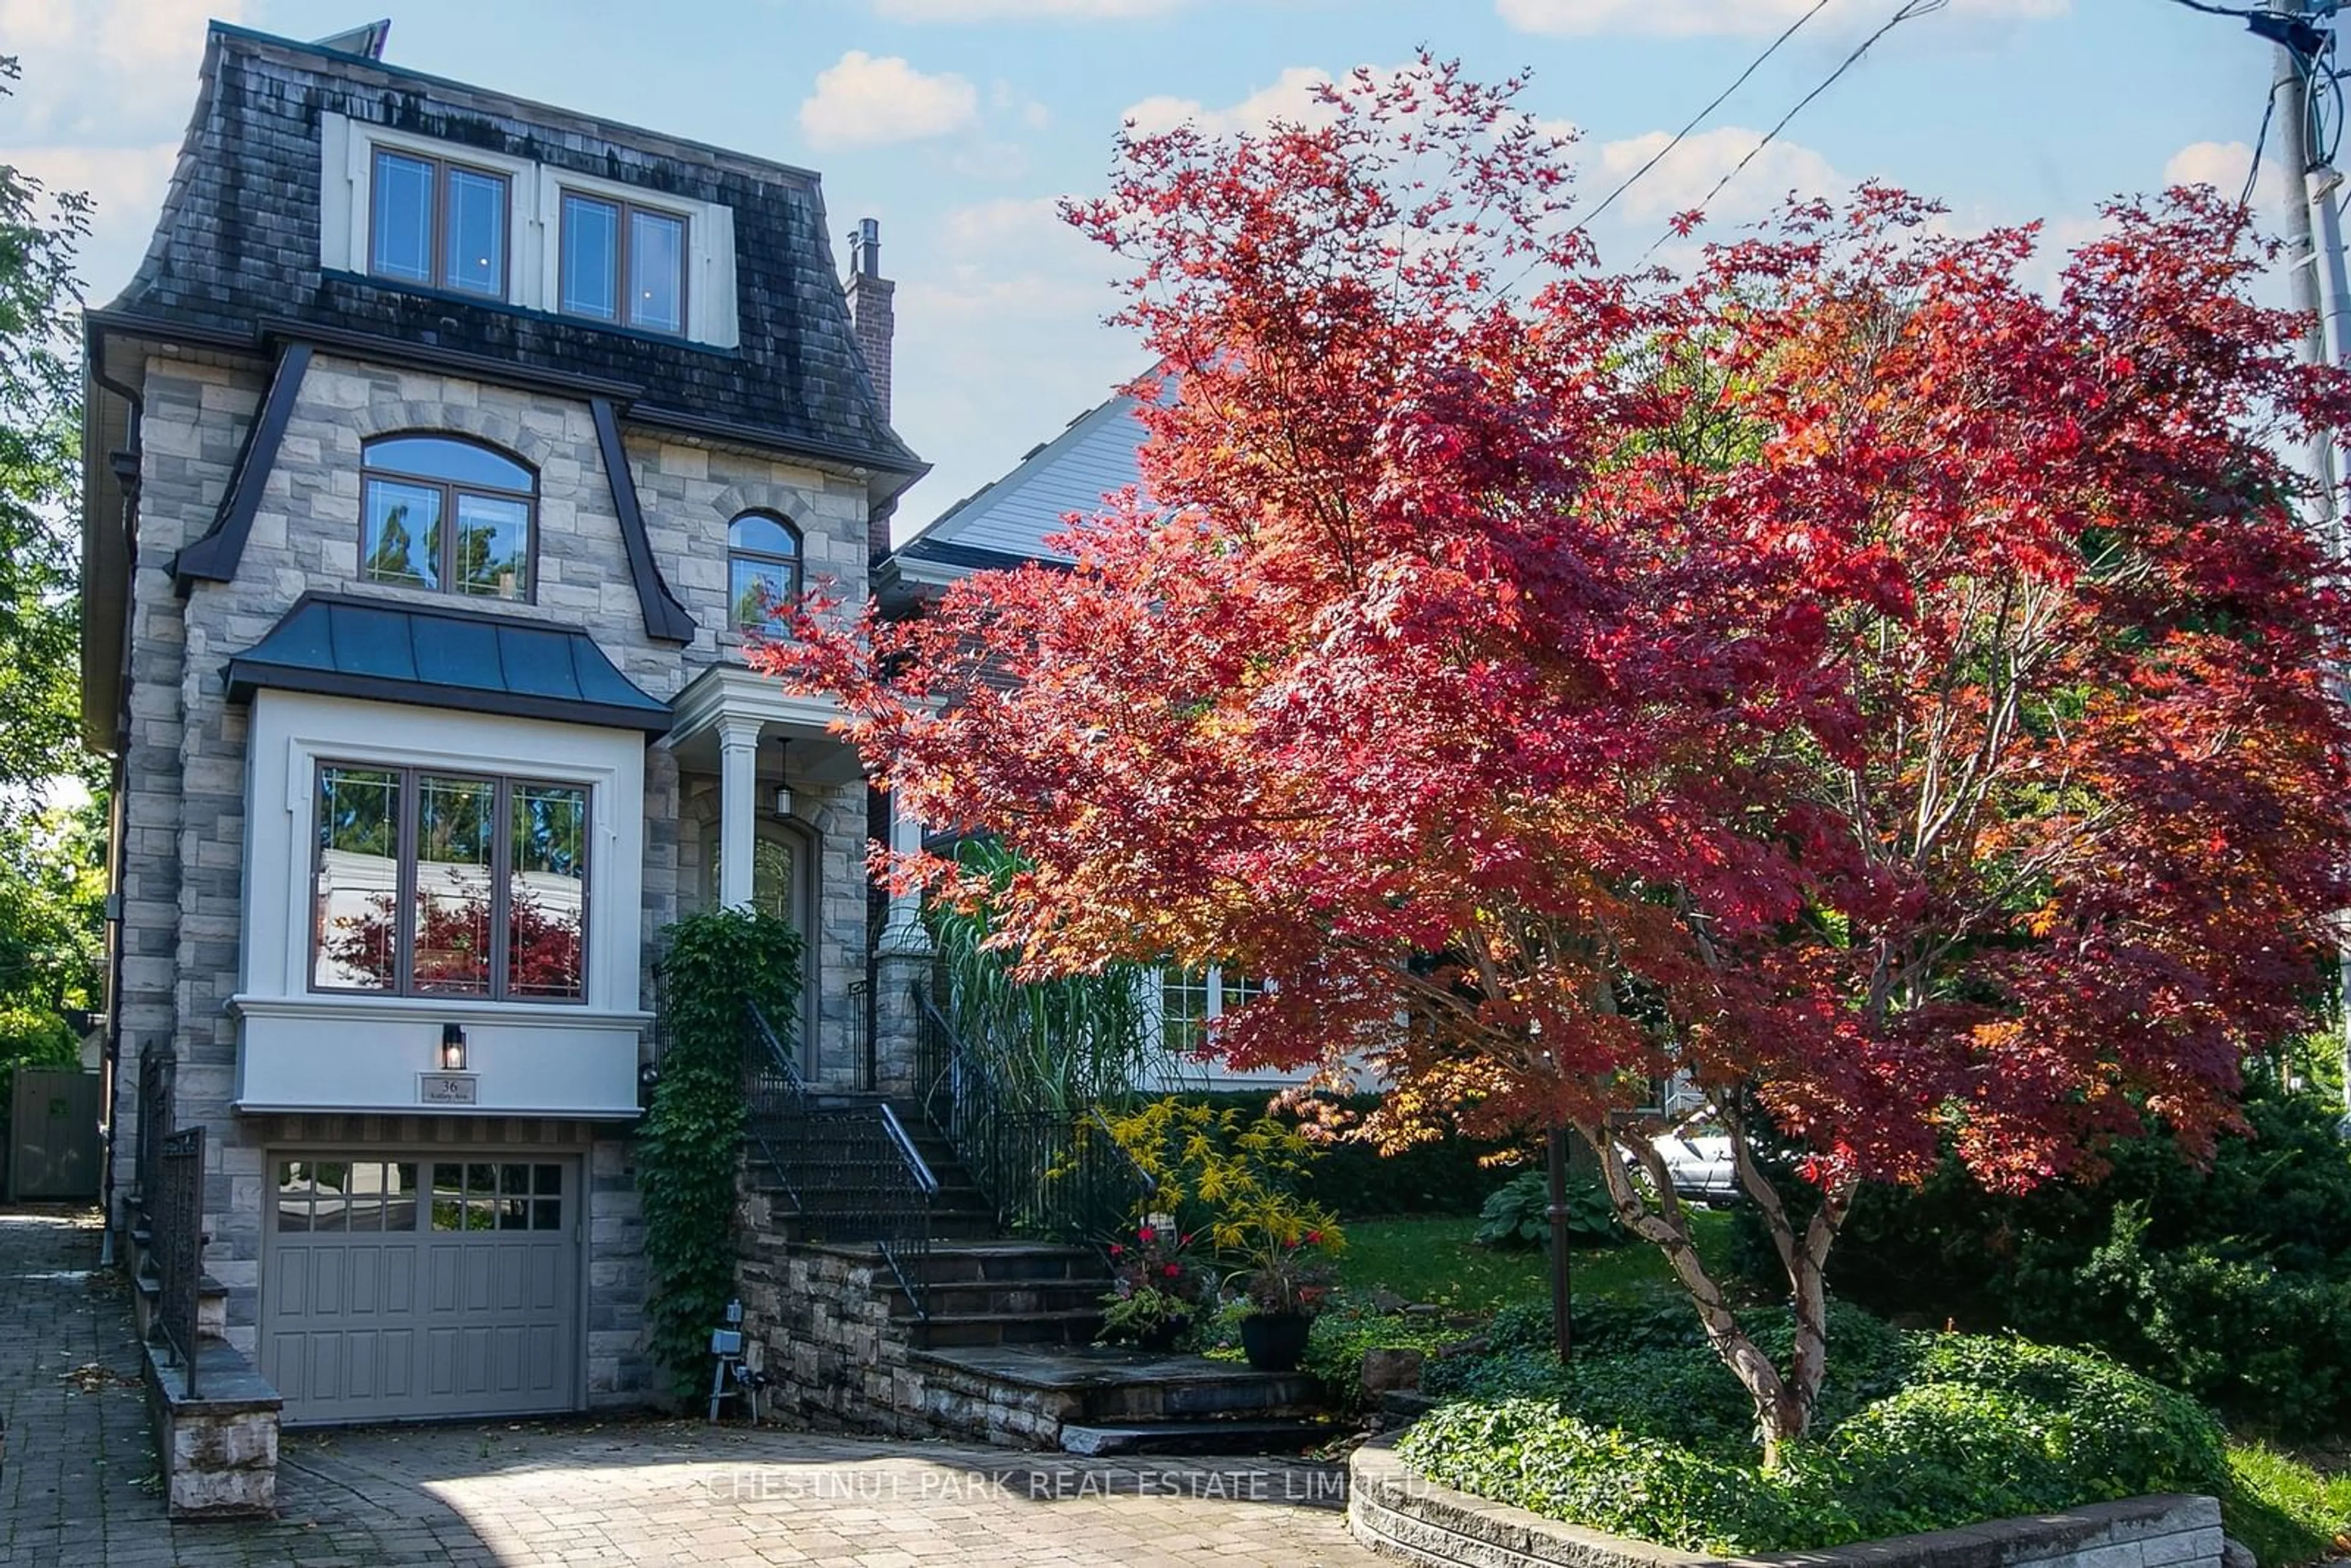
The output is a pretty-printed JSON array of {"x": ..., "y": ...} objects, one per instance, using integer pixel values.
[
  {"x": 738, "y": 808},
  {"x": 902, "y": 961}
]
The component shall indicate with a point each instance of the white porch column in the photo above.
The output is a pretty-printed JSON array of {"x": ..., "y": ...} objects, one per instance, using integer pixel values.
[
  {"x": 738, "y": 808},
  {"x": 903, "y": 932}
]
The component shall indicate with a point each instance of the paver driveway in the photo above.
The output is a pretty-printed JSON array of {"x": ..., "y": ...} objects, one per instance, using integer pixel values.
[{"x": 77, "y": 1484}]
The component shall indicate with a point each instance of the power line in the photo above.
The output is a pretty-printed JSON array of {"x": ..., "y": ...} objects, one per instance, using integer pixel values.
[
  {"x": 1904, "y": 13},
  {"x": 1752, "y": 67},
  {"x": 2261, "y": 141}
]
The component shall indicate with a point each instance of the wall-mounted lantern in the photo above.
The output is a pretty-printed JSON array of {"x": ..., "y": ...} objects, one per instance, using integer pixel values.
[{"x": 453, "y": 1047}]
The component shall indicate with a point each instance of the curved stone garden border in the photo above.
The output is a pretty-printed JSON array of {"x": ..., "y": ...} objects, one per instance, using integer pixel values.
[{"x": 1396, "y": 1511}]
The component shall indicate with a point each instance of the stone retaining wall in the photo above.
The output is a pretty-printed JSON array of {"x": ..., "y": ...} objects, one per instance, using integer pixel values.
[
  {"x": 819, "y": 1317},
  {"x": 218, "y": 1448},
  {"x": 1398, "y": 1512}
]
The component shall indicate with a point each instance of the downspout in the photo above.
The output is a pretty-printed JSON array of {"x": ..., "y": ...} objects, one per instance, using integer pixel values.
[{"x": 126, "y": 467}]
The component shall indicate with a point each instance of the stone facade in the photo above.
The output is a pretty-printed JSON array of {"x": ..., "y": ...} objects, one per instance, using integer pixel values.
[{"x": 184, "y": 766}]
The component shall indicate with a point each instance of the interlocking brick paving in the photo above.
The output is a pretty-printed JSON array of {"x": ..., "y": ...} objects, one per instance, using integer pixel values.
[{"x": 78, "y": 1486}]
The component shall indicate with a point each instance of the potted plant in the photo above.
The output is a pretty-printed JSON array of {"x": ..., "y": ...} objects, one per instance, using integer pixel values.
[
  {"x": 1154, "y": 1290},
  {"x": 1286, "y": 1280}
]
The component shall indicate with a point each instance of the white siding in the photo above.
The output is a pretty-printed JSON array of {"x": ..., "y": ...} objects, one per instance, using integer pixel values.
[{"x": 1073, "y": 472}]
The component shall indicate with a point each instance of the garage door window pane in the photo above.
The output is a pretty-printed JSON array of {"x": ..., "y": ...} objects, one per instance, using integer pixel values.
[
  {"x": 455, "y": 840},
  {"x": 548, "y": 1179},
  {"x": 293, "y": 1195},
  {"x": 357, "y": 883}
]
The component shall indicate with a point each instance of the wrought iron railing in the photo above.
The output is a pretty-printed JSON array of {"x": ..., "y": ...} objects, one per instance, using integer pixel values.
[
  {"x": 175, "y": 1219},
  {"x": 158, "y": 1069},
  {"x": 851, "y": 1172},
  {"x": 1052, "y": 1173}
]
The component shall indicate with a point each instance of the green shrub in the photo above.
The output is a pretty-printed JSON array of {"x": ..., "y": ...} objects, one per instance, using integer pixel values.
[
  {"x": 1914, "y": 1432},
  {"x": 691, "y": 1140},
  {"x": 1447, "y": 1176},
  {"x": 1523, "y": 1451},
  {"x": 2231, "y": 1283},
  {"x": 1518, "y": 1213},
  {"x": 1341, "y": 1338}
]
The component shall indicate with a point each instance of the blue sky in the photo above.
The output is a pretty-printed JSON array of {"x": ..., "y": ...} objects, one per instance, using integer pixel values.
[{"x": 957, "y": 122}]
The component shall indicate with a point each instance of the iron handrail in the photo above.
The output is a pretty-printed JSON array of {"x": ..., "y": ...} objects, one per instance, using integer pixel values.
[
  {"x": 850, "y": 1171},
  {"x": 175, "y": 1215},
  {"x": 1044, "y": 1171}
]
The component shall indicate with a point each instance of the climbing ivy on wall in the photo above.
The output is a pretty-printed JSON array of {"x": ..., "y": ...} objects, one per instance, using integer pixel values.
[{"x": 690, "y": 1141}]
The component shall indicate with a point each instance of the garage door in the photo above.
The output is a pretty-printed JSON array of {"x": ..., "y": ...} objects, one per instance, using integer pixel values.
[{"x": 402, "y": 1287}]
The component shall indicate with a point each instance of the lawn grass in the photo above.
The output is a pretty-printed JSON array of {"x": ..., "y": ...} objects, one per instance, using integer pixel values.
[
  {"x": 2285, "y": 1510},
  {"x": 1435, "y": 1261}
]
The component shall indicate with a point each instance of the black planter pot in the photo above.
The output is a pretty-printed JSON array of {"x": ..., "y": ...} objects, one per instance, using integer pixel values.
[
  {"x": 1275, "y": 1342},
  {"x": 1163, "y": 1337}
]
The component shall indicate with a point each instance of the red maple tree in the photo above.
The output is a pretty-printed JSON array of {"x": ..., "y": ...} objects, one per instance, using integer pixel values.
[{"x": 1882, "y": 696}]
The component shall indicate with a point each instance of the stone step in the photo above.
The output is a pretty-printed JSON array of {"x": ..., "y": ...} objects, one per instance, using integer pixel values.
[
  {"x": 943, "y": 1330},
  {"x": 1005, "y": 1298},
  {"x": 1003, "y": 1260},
  {"x": 1104, "y": 1385},
  {"x": 1198, "y": 1438}
]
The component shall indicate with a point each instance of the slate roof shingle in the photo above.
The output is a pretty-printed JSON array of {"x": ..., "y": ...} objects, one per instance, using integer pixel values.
[{"x": 236, "y": 251}]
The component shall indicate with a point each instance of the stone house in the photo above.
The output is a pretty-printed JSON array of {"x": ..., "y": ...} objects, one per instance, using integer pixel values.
[{"x": 438, "y": 455}]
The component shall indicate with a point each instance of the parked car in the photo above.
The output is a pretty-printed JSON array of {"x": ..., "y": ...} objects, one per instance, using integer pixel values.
[{"x": 1698, "y": 1162}]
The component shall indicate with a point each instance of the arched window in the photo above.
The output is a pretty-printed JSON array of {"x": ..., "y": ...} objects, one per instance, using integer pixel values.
[
  {"x": 763, "y": 568},
  {"x": 445, "y": 514}
]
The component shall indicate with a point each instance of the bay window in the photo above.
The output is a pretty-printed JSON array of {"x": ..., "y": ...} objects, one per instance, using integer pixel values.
[{"x": 435, "y": 884}]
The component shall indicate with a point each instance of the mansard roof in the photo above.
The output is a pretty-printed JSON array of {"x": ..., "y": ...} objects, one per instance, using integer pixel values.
[{"x": 236, "y": 257}]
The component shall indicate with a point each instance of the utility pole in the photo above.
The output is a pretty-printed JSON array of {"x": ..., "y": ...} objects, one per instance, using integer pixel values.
[{"x": 2321, "y": 291}]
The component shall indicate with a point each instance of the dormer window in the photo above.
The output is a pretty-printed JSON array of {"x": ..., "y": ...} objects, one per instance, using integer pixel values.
[
  {"x": 623, "y": 263},
  {"x": 446, "y": 515},
  {"x": 763, "y": 569},
  {"x": 438, "y": 224}
]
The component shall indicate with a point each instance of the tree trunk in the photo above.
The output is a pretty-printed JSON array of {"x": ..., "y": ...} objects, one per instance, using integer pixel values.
[{"x": 1784, "y": 1400}]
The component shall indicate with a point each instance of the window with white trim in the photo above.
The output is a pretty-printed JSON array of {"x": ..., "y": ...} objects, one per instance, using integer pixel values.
[
  {"x": 407, "y": 211},
  {"x": 1191, "y": 999}
]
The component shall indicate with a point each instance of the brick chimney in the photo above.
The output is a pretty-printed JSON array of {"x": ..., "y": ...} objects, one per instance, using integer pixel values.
[
  {"x": 874, "y": 320},
  {"x": 869, "y": 305}
]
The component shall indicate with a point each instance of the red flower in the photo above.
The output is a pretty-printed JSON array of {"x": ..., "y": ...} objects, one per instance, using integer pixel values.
[
  {"x": 1314, "y": 1239},
  {"x": 1116, "y": 1250},
  {"x": 1172, "y": 1270},
  {"x": 1143, "y": 1235}
]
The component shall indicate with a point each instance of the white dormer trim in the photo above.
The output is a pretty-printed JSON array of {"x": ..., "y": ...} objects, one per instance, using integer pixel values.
[{"x": 346, "y": 149}]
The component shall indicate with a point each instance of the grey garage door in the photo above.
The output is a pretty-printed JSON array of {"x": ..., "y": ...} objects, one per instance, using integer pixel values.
[{"x": 400, "y": 1287}]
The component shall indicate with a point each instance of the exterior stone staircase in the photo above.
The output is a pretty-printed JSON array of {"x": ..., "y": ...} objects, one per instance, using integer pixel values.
[
  {"x": 973, "y": 1334},
  {"x": 970, "y": 1286}
]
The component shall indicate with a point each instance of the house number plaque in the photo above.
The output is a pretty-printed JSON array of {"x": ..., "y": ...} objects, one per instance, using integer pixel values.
[{"x": 447, "y": 1088}]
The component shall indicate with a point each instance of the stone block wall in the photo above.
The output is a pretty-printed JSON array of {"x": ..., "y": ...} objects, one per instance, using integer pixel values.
[
  {"x": 819, "y": 1317},
  {"x": 184, "y": 762}
]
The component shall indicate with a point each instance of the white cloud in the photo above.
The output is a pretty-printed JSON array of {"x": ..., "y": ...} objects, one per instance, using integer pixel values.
[
  {"x": 1000, "y": 294},
  {"x": 1683, "y": 178},
  {"x": 106, "y": 93},
  {"x": 1292, "y": 96},
  {"x": 2222, "y": 165},
  {"x": 863, "y": 101},
  {"x": 125, "y": 185},
  {"x": 1021, "y": 10},
  {"x": 1742, "y": 18}
]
